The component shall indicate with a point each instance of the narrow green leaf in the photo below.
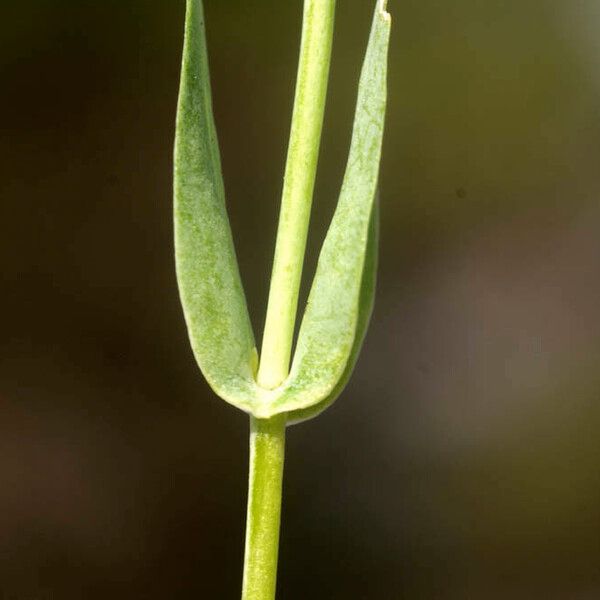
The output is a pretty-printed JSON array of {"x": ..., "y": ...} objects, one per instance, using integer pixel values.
[
  {"x": 209, "y": 281},
  {"x": 329, "y": 328},
  {"x": 365, "y": 309}
]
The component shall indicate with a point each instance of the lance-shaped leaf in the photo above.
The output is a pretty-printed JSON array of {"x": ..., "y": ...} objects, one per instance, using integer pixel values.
[
  {"x": 329, "y": 333},
  {"x": 365, "y": 309},
  {"x": 208, "y": 276}
]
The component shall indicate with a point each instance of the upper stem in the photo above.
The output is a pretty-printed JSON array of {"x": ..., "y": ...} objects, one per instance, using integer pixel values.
[{"x": 300, "y": 172}]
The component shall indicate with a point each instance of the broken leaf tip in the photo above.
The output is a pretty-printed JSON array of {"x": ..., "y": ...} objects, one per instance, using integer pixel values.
[{"x": 383, "y": 10}]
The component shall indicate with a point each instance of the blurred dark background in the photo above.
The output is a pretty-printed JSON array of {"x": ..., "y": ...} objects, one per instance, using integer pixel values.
[{"x": 462, "y": 462}]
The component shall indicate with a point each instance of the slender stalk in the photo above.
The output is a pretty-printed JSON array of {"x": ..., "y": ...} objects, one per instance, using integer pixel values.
[
  {"x": 267, "y": 437},
  {"x": 267, "y": 445},
  {"x": 300, "y": 172}
]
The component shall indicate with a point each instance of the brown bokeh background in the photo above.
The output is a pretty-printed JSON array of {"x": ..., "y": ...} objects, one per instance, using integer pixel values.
[{"x": 463, "y": 460}]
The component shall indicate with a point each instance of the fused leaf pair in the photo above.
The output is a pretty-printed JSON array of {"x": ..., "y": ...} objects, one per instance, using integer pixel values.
[{"x": 212, "y": 295}]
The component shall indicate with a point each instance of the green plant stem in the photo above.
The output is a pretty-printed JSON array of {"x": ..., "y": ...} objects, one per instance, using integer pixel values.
[
  {"x": 267, "y": 446},
  {"x": 267, "y": 436},
  {"x": 300, "y": 172}
]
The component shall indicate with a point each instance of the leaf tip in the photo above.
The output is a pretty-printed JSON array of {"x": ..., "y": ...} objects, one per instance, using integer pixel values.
[{"x": 383, "y": 10}]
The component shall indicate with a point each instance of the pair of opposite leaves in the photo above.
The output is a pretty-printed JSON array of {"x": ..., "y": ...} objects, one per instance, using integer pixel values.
[{"x": 341, "y": 298}]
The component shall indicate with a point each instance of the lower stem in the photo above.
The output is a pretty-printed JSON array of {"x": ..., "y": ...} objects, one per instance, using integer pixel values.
[{"x": 267, "y": 447}]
